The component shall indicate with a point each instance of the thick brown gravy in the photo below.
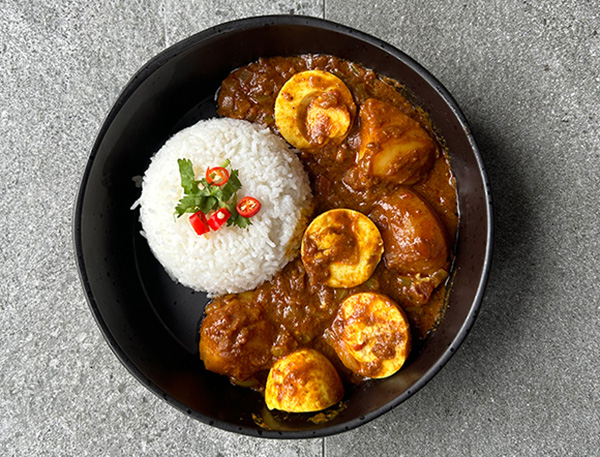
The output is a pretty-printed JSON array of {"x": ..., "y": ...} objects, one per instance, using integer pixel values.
[{"x": 252, "y": 329}]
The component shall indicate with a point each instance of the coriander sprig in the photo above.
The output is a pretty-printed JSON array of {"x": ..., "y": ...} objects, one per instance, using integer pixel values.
[{"x": 200, "y": 195}]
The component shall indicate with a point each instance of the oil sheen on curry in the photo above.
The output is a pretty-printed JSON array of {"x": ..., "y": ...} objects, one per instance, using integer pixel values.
[{"x": 370, "y": 281}]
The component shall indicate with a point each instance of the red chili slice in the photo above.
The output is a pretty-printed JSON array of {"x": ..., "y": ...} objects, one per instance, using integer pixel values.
[
  {"x": 248, "y": 207},
  {"x": 217, "y": 176},
  {"x": 199, "y": 224},
  {"x": 219, "y": 218}
]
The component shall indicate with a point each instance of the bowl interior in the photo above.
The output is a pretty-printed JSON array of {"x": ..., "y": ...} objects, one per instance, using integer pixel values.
[{"x": 152, "y": 323}]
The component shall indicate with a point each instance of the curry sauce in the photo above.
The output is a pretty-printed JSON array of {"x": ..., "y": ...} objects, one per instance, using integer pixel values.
[{"x": 251, "y": 330}]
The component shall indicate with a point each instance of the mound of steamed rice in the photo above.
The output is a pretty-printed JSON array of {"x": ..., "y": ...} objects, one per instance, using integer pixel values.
[{"x": 231, "y": 259}]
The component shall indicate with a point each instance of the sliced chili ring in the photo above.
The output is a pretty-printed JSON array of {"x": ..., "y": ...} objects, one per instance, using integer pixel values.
[
  {"x": 248, "y": 207},
  {"x": 217, "y": 176},
  {"x": 199, "y": 223},
  {"x": 219, "y": 218}
]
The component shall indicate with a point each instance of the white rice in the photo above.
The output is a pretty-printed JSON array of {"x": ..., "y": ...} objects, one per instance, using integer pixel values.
[{"x": 231, "y": 259}]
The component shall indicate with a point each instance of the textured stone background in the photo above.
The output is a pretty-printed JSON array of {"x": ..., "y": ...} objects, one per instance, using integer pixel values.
[{"x": 526, "y": 382}]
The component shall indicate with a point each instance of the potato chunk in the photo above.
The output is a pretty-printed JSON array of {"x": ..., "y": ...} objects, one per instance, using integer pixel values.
[
  {"x": 236, "y": 339},
  {"x": 371, "y": 335},
  {"x": 313, "y": 108},
  {"x": 303, "y": 381},
  {"x": 395, "y": 147},
  {"x": 341, "y": 248},
  {"x": 413, "y": 236}
]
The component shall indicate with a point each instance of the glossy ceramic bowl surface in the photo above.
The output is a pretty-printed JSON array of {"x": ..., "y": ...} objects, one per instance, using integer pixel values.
[{"x": 150, "y": 322}]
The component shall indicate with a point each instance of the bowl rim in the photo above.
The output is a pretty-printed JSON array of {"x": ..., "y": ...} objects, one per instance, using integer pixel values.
[{"x": 257, "y": 22}]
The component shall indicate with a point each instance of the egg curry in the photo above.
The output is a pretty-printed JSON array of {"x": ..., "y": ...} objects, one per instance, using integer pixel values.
[{"x": 369, "y": 283}]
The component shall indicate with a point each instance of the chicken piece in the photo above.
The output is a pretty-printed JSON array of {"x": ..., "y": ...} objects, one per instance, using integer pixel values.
[
  {"x": 414, "y": 238},
  {"x": 341, "y": 248},
  {"x": 236, "y": 339},
  {"x": 371, "y": 335},
  {"x": 313, "y": 108},
  {"x": 394, "y": 147},
  {"x": 303, "y": 381}
]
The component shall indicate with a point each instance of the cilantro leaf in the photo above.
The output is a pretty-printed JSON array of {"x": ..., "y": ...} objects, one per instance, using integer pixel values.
[
  {"x": 186, "y": 205},
  {"x": 234, "y": 180},
  {"x": 241, "y": 222},
  {"x": 188, "y": 179},
  {"x": 207, "y": 204}
]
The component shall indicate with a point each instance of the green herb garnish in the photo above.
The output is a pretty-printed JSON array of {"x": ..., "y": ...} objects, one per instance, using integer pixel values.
[{"x": 200, "y": 195}]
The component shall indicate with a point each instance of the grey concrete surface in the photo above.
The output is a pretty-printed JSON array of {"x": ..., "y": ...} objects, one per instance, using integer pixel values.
[{"x": 525, "y": 383}]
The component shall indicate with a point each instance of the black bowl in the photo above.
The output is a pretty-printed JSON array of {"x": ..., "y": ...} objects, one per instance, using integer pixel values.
[{"x": 150, "y": 322}]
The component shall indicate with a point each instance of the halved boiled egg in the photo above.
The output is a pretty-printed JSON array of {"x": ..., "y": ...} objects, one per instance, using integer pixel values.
[
  {"x": 303, "y": 381},
  {"x": 371, "y": 335},
  {"x": 396, "y": 147},
  {"x": 341, "y": 248},
  {"x": 313, "y": 108}
]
